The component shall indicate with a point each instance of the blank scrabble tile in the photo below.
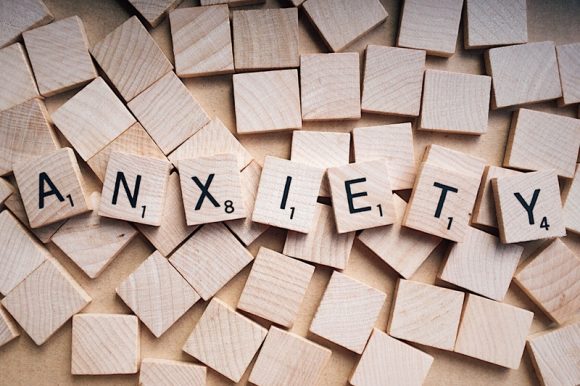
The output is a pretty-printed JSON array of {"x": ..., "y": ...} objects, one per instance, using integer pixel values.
[
  {"x": 481, "y": 264},
  {"x": 157, "y": 294},
  {"x": 134, "y": 189},
  {"x": 287, "y": 195},
  {"x": 572, "y": 205},
  {"x": 267, "y": 101},
  {"x": 16, "y": 76},
  {"x": 430, "y": 26},
  {"x": 445, "y": 158},
  {"x": 265, "y": 38},
  {"x": 208, "y": 55},
  {"x": 154, "y": 11},
  {"x": 330, "y": 86},
  {"x": 8, "y": 329},
  {"x": 523, "y": 74},
  {"x": 495, "y": 23},
  {"x": 455, "y": 102},
  {"x": 232, "y": 3},
  {"x": 348, "y": 312},
  {"x": 210, "y": 259},
  {"x": 105, "y": 344},
  {"x": 528, "y": 207},
  {"x": 212, "y": 189},
  {"x": 19, "y": 16},
  {"x": 92, "y": 118},
  {"x": 6, "y": 190},
  {"x": 92, "y": 241},
  {"x": 493, "y": 332},
  {"x": 484, "y": 208},
  {"x": 275, "y": 287},
  {"x": 45, "y": 300},
  {"x": 225, "y": 340},
  {"x": 169, "y": 112},
  {"x": 131, "y": 58},
  {"x": 393, "y": 80},
  {"x": 164, "y": 372},
  {"x": 568, "y": 63},
  {"x": 51, "y": 187},
  {"x": 287, "y": 359},
  {"x": 59, "y": 54},
  {"x": 341, "y": 22}
]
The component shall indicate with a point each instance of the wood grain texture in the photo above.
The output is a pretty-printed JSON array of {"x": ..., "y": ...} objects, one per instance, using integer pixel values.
[
  {"x": 16, "y": 75},
  {"x": 154, "y": 11},
  {"x": 164, "y": 372},
  {"x": 495, "y": 23},
  {"x": 572, "y": 204},
  {"x": 232, "y": 3},
  {"x": 19, "y": 16},
  {"x": 568, "y": 63},
  {"x": 460, "y": 162},
  {"x": 6, "y": 190},
  {"x": 8, "y": 329}
]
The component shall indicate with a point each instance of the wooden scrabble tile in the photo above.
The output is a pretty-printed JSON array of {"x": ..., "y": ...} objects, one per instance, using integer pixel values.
[
  {"x": 322, "y": 245},
  {"x": 59, "y": 54},
  {"x": 16, "y": 75},
  {"x": 134, "y": 188},
  {"x": 403, "y": 249},
  {"x": 568, "y": 62},
  {"x": 445, "y": 158},
  {"x": 92, "y": 118},
  {"x": 267, "y": 101},
  {"x": 51, "y": 187},
  {"x": 8, "y": 329},
  {"x": 157, "y": 294},
  {"x": 210, "y": 259},
  {"x": 232, "y": 3},
  {"x": 430, "y": 26},
  {"x": 212, "y": 189},
  {"x": 393, "y": 80},
  {"x": 6, "y": 190},
  {"x": 288, "y": 359},
  {"x": 225, "y": 340},
  {"x": 484, "y": 208},
  {"x": 387, "y": 360},
  {"x": 164, "y": 372},
  {"x": 169, "y": 112},
  {"x": 493, "y": 332},
  {"x": 481, "y": 264},
  {"x": 572, "y": 205},
  {"x": 531, "y": 147},
  {"x": 287, "y": 194},
  {"x": 45, "y": 300},
  {"x": 19, "y": 16},
  {"x": 330, "y": 86},
  {"x": 362, "y": 197},
  {"x": 275, "y": 287},
  {"x": 92, "y": 241},
  {"x": 265, "y": 38},
  {"x": 105, "y": 344},
  {"x": 348, "y": 312},
  {"x": 495, "y": 23},
  {"x": 533, "y": 65},
  {"x": 528, "y": 207},
  {"x": 209, "y": 55},
  {"x": 455, "y": 102},
  {"x": 341, "y": 22},
  {"x": 154, "y": 11},
  {"x": 131, "y": 58}
]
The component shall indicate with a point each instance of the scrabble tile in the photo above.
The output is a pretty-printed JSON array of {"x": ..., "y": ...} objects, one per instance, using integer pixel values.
[
  {"x": 131, "y": 58},
  {"x": 430, "y": 26},
  {"x": 493, "y": 332},
  {"x": 19, "y": 16},
  {"x": 531, "y": 147},
  {"x": 481, "y": 264},
  {"x": 348, "y": 312},
  {"x": 393, "y": 80},
  {"x": 531, "y": 64},
  {"x": 232, "y": 3},
  {"x": 157, "y": 294},
  {"x": 45, "y": 300},
  {"x": 403, "y": 249},
  {"x": 495, "y": 23},
  {"x": 92, "y": 241},
  {"x": 164, "y": 372},
  {"x": 572, "y": 204},
  {"x": 528, "y": 207},
  {"x": 276, "y": 287},
  {"x": 362, "y": 197},
  {"x": 134, "y": 188},
  {"x": 51, "y": 187},
  {"x": 551, "y": 278},
  {"x": 8, "y": 329},
  {"x": 154, "y": 11},
  {"x": 59, "y": 54},
  {"x": 92, "y": 118},
  {"x": 16, "y": 76},
  {"x": 445, "y": 158},
  {"x": 387, "y": 360},
  {"x": 209, "y": 55},
  {"x": 258, "y": 42},
  {"x": 225, "y": 340},
  {"x": 568, "y": 62},
  {"x": 455, "y": 102},
  {"x": 105, "y": 344},
  {"x": 210, "y": 259},
  {"x": 341, "y": 22},
  {"x": 288, "y": 359},
  {"x": 267, "y": 101},
  {"x": 330, "y": 86},
  {"x": 323, "y": 245},
  {"x": 287, "y": 194},
  {"x": 484, "y": 208},
  {"x": 6, "y": 190},
  {"x": 169, "y": 112}
]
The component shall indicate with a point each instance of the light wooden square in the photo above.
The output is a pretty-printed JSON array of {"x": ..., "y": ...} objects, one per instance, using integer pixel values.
[
  {"x": 8, "y": 329},
  {"x": 568, "y": 63},
  {"x": 16, "y": 76},
  {"x": 19, "y": 16},
  {"x": 6, "y": 190},
  {"x": 445, "y": 158},
  {"x": 232, "y": 3},
  {"x": 164, "y": 372},
  {"x": 572, "y": 204},
  {"x": 154, "y": 11},
  {"x": 484, "y": 208},
  {"x": 495, "y": 23}
]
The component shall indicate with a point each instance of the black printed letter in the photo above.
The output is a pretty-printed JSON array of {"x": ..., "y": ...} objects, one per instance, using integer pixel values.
[
  {"x": 444, "y": 190},
  {"x": 44, "y": 178},
  {"x": 286, "y": 192},
  {"x": 205, "y": 191},
  {"x": 529, "y": 208},
  {"x": 132, "y": 197},
  {"x": 350, "y": 195}
]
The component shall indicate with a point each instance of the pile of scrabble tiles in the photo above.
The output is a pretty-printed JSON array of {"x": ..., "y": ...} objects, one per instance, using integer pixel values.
[{"x": 180, "y": 178}]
